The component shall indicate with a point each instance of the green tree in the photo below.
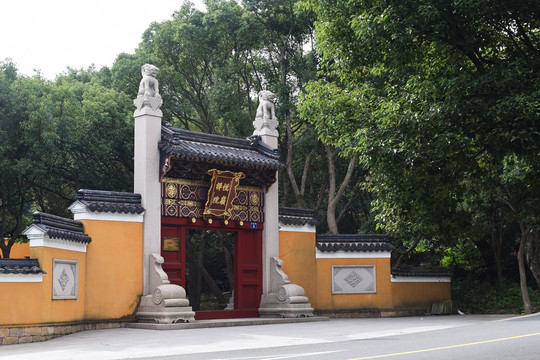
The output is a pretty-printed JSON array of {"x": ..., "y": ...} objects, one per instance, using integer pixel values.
[
  {"x": 433, "y": 92},
  {"x": 58, "y": 137}
]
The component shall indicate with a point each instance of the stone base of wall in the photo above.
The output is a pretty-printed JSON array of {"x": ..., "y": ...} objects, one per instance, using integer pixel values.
[
  {"x": 371, "y": 313},
  {"x": 28, "y": 334}
]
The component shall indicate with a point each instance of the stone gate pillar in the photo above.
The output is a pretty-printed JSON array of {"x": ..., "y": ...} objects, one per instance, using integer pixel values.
[
  {"x": 146, "y": 167},
  {"x": 266, "y": 127},
  {"x": 280, "y": 298}
]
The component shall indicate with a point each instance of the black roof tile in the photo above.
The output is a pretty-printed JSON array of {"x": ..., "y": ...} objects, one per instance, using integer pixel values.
[
  {"x": 57, "y": 227},
  {"x": 420, "y": 272},
  {"x": 194, "y": 146},
  {"x": 110, "y": 201},
  {"x": 295, "y": 216},
  {"x": 20, "y": 266},
  {"x": 353, "y": 242}
]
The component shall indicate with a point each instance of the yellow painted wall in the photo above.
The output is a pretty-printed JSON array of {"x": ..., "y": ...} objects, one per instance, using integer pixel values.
[
  {"x": 20, "y": 251},
  {"x": 326, "y": 301},
  {"x": 31, "y": 303},
  {"x": 114, "y": 281},
  {"x": 297, "y": 250},
  {"x": 21, "y": 303},
  {"x": 416, "y": 295},
  {"x": 110, "y": 279}
]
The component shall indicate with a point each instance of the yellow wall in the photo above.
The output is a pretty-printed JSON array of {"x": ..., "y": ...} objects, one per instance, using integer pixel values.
[
  {"x": 416, "y": 295},
  {"x": 114, "y": 280},
  {"x": 20, "y": 251},
  {"x": 109, "y": 284},
  {"x": 326, "y": 301},
  {"x": 297, "y": 250},
  {"x": 31, "y": 303}
]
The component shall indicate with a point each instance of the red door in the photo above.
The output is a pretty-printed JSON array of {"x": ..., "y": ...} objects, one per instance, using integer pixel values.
[
  {"x": 248, "y": 271},
  {"x": 247, "y": 264},
  {"x": 173, "y": 250}
]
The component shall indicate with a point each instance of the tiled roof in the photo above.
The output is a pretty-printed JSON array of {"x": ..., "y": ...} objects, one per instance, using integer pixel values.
[
  {"x": 57, "y": 227},
  {"x": 20, "y": 266},
  {"x": 194, "y": 146},
  {"x": 353, "y": 242},
  {"x": 110, "y": 201},
  {"x": 294, "y": 216},
  {"x": 420, "y": 272}
]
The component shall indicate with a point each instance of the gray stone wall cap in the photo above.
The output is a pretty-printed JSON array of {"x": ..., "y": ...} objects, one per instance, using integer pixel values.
[
  {"x": 297, "y": 216},
  {"x": 420, "y": 272},
  {"x": 110, "y": 201},
  {"x": 353, "y": 242},
  {"x": 57, "y": 227},
  {"x": 20, "y": 266}
]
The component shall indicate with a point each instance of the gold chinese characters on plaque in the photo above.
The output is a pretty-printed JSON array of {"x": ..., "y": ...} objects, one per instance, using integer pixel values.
[
  {"x": 171, "y": 244},
  {"x": 222, "y": 193}
]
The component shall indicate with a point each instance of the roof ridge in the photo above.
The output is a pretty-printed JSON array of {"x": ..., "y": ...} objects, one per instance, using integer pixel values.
[
  {"x": 252, "y": 143},
  {"x": 58, "y": 222},
  {"x": 108, "y": 196}
]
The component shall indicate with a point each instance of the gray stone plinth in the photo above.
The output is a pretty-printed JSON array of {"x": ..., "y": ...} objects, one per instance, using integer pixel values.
[{"x": 203, "y": 324}]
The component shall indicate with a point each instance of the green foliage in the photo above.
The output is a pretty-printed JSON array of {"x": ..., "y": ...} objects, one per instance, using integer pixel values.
[
  {"x": 439, "y": 100},
  {"x": 481, "y": 297},
  {"x": 58, "y": 137}
]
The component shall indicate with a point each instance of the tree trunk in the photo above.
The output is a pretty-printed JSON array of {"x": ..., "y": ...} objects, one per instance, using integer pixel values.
[
  {"x": 208, "y": 279},
  {"x": 200, "y": 259},
  {"x": 532, "y": 255},
  {"x": 411, "y": 248},
  {"x": 229, "y": 264},
  {"x": 333, "y": 195},
  {"x": 522, "y": 274}
]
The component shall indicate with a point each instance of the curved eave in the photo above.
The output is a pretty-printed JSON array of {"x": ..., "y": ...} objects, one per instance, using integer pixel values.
[{"x": 216, "y": 154}]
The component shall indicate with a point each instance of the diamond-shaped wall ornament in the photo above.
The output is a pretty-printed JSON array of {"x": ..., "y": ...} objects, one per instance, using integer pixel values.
[
  {"x": 65, "y": 279},
  {"x": 354, "y": 279}
]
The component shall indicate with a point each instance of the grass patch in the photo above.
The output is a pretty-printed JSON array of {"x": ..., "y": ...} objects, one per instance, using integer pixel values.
[{"x": 483, "y": 298}]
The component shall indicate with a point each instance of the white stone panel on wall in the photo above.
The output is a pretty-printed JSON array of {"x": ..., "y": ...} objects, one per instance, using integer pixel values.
[
  {"x": 65, "y": 279},
  {"x": 354, "y": 279}
]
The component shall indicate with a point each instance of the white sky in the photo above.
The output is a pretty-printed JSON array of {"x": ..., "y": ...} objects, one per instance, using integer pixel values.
[{"x": 51, "y": 35}]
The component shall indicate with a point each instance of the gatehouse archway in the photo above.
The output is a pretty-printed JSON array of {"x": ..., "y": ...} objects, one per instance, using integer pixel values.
[{"x": 213, "y": 192}]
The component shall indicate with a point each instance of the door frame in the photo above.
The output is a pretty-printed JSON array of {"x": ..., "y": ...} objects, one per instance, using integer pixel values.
[{"x": 253, "y": 230}]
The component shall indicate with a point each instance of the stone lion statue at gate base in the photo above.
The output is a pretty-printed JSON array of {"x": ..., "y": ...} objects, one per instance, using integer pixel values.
[{"x": 149, "y": 85}]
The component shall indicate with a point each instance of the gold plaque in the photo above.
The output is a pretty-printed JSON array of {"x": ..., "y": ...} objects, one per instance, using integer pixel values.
[{"x": 171, "y": 244}]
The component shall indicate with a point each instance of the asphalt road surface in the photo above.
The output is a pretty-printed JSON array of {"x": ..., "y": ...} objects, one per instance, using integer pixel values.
[{"x": 431, "y": 337}]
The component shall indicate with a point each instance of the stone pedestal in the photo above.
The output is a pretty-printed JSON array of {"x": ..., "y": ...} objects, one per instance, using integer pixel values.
[
  {"x": 288, "y": 301},
  {"x": 167, "y": 304}
]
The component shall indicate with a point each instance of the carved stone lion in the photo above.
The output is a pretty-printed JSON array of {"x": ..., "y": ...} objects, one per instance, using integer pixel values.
[
  {"x": 149, "y": 84},
  {"x": 266, "y": 110},
  {"x": 265, "y": 117}
]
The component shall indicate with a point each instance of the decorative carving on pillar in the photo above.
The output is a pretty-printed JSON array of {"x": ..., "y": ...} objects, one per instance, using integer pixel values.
[
  {"x": 148, "y": 95},
  {"x": 285, "y": 300},
  {"x": 266, "y": 122},
  {"x": 166, "y": 303}
]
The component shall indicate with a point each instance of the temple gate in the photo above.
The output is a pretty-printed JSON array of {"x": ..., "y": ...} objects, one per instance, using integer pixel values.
[{"x": 212, "y": 183}]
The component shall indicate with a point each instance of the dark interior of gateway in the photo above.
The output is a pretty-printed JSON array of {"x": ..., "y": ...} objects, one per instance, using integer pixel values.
[{"x": 209, "y": 268}]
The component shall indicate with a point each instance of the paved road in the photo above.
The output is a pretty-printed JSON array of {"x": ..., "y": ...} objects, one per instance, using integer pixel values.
[{"x": 441, "y": 337}]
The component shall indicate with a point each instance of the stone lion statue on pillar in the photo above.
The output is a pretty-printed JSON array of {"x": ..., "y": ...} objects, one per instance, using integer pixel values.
[
  {"x": 149, "y": 85},
  {"x": 265, "y": 117}
]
